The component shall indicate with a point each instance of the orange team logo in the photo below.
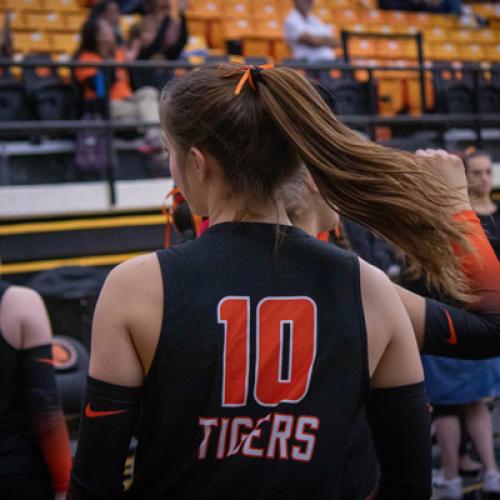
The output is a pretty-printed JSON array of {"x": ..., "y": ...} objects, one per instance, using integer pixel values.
[
  {"x": 453, "y": 334},
  {"x": 90, "y": 413}
]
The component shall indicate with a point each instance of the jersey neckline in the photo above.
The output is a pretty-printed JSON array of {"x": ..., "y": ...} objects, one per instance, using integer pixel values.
[{"x": 264, "y": 228}]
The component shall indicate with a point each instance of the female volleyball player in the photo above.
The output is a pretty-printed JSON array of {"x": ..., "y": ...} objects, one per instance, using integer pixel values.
[
  {"x": 35, "y": 459},
  {"x": 252, "y": 349}
]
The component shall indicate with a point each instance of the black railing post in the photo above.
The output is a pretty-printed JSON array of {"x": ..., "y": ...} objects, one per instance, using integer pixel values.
[
  {"x": 345, "y": 45},
  {"x": 110, "y": 153},
  {"x": 372, "y": 96},
  {"x": 477, "y": 108},
  {"x": 420, "y": 52}
]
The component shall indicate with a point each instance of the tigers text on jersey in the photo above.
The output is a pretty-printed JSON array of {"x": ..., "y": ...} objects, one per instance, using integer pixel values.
[{"x": 260, "y": 371}]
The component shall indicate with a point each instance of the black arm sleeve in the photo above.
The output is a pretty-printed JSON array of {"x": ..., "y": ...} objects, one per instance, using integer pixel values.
[
  {"x": 107, "y": 423},
  {"x": 457, "y": 333},
  {"x": 47, "y": 418},
  {"x": 400, "y": 422}
]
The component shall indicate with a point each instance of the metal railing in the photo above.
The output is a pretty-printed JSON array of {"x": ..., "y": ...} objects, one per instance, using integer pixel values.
[{"x": 474, "y": 120}]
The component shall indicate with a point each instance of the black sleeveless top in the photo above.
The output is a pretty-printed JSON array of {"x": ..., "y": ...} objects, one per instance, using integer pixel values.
[
  {"x": 260, "y": 371},
  {"x": 17, "y": 452},
  {"x": 491, "y": 226}
]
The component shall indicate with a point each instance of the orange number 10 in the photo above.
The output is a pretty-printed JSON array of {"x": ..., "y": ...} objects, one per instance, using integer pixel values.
[{"x": 285, "y": 349}]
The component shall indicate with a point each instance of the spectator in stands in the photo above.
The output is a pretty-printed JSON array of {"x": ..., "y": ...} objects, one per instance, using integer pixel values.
[
  {"x": 168, "y": 35},
  {"x": 480, "y": 177},
  {"x": 109, "y": 10},
  {"x": 98, "y": 44},
  {"x": 159, "y": 36},
  {"x": 307, "y": 36},
  {"x": 6, "y": 51}
]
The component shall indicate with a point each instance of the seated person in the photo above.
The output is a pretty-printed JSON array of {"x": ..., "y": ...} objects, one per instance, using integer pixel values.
[
  {"x": 99, "y": 44},
  {"x": 109, "y": 10},
  {"x": 307, "y": 36},
  {"x": 160, "y": 35}
]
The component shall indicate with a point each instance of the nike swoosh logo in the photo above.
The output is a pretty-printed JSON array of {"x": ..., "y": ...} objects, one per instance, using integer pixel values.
[
  {"x": 453, "y": 334},
  {"x": 90, "y": 413},
  {"x": 48, "y": 361}
]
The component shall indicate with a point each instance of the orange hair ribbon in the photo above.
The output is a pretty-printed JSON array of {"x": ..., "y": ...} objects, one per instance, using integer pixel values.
[{"x": 247, "y": 76}]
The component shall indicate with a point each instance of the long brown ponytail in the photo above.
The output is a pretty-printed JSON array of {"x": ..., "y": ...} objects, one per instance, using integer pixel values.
[{"x": 261, "y": 137}]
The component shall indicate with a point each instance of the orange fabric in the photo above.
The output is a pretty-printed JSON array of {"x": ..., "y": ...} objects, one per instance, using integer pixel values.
[
  {"x": 53, "y": 441},
  {"x": 481, "y": 266},
  {"x": 120, "y": 90},
  {"x": 324, "y": 236},
  {"x": 247, "y": 76}
]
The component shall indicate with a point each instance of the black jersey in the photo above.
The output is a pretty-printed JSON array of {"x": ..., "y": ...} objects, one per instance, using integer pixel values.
[
  {"x": 16, "y": 447},
  {"x": 491, "y": 226},
  {"x": 260, "y": 370}
]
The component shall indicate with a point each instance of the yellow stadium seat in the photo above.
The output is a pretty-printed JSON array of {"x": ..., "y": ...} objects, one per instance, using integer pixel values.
[
  {"x": 18, "y": 20},
  {"x": 361, "y": 47},
  {"x": 266, "y": 9},
  {"x": 397, "y": 17},
  {"x": 346, "y": 16},
  {"x": 14, "y": 5},
  {"x": 397, "y": 49},
  {"x": 486, "y": 10},
  {"x": 493, "y": 53},
  {"x": 238, "y": 27},
  {"x": 45, "y": 21},
  {"x": 255, "y": 46},
  {"x": 324, "y": 13},
  {"x": 461, "y": 36},
  {"x": 445, "y": 51},
  {"x": 383, "y": 29},
  {"x": 269, "y": 28},
  {"x": 373, "y": 17},
  {"x": 239, "y": 8},
  {"x": 62, "y": 5},
  {"x": 485, "y": 36},
  {"x": 443, "y": 20},
  {"x": 472, "y": 52},
  {"x": 365, "y": 4},
  {"x": 280, "y": 50},
  {"x": 421, "y": 20},
  {"x": 207, "y": 9},
  {"x": 355, "y": 28},
  {"x": 32, "y": 42},
  {"x": 75, "y": 20},
  {"x": 341, "y": 4},
  {"x": 197, "y": 26},
  {"x": 495, "y": 25},
  {"x": 435, "y": 34},
  {"x": 65, "y": 43}
]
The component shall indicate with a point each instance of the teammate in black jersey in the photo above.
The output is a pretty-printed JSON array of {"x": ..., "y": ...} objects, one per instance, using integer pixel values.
[
  {"x": 251, "y": 350},
  {"x": 35, "y": 457}
]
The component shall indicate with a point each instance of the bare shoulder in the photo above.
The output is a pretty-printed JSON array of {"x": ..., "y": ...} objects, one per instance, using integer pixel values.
[
  {"x": 377, "y": 293},
  {"x": 127, "y": 321},
  {"x": 392, "y": 349},
  {"x": 23, "y": 318}
]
